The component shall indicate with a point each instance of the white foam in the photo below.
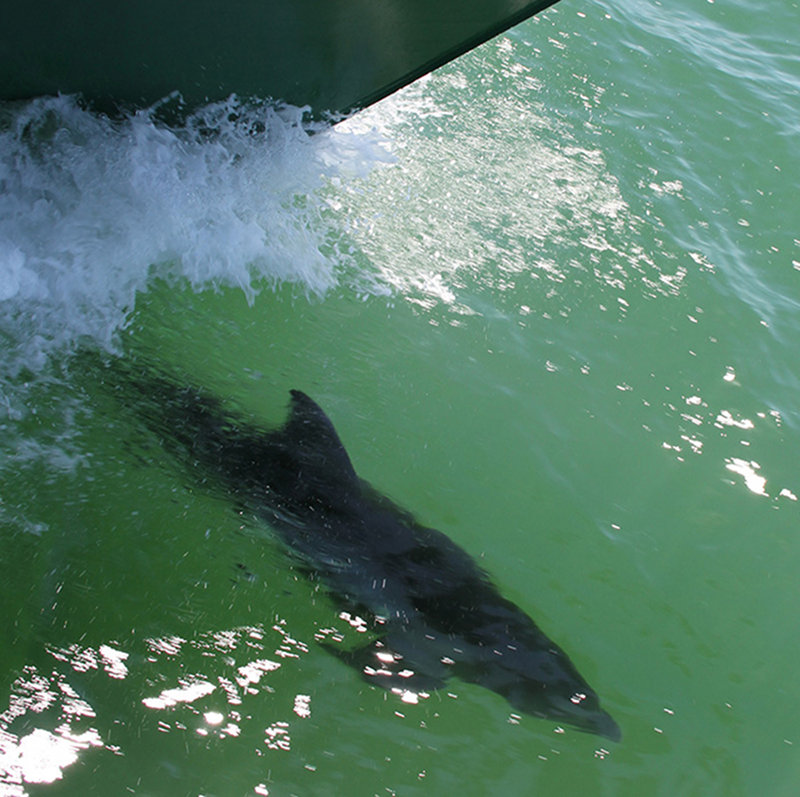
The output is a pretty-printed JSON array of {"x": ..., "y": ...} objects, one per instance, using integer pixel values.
[{"x": 92, "y": 209}]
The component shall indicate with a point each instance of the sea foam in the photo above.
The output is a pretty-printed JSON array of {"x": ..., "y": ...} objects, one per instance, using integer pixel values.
[{"x": 93, "y": 209}]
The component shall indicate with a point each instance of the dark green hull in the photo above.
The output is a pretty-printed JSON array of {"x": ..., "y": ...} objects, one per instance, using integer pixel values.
[{"x": 334, "y": 55}]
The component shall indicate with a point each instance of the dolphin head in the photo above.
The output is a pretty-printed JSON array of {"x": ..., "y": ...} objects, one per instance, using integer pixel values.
[
  {"x": 580, "y": 710},
  {"x": 538, "y": 678}
]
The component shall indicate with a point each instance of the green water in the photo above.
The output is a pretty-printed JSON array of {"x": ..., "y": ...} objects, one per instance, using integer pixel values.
[{"x": 565, "y": 335}]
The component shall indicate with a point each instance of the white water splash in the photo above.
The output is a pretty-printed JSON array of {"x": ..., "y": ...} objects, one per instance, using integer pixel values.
[{"x": 91, "y": 210}]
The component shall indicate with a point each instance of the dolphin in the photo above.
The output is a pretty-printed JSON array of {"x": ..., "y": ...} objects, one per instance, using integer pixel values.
[{"x": 434, "y": 613}]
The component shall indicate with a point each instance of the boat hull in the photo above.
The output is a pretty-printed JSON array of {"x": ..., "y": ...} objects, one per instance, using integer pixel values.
[{"x": 333, "y": 55}]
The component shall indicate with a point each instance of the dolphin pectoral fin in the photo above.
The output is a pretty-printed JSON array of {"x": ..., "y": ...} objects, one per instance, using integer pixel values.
[{"x": 379, "y": 666}]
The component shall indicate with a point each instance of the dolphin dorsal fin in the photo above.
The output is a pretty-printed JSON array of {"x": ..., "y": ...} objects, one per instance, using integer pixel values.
[{"x": 310, "y": 435}]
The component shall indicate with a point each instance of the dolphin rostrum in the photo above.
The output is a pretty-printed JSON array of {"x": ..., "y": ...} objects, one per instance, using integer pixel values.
[{"x": 434, "y": 612}]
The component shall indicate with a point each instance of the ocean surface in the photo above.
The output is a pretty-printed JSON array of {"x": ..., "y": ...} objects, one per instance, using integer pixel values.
[{"x": 550, "y": 297}]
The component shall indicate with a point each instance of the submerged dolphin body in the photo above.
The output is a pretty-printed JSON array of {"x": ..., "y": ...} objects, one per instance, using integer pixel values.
[{"x": 435, "y": 612}]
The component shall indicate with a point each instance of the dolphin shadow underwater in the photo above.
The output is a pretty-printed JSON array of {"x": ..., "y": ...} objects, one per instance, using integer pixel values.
[{"x": 435, "y": 613}]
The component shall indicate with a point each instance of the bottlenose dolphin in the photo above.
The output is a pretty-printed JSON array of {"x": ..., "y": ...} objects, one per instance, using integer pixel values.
[{"x": 435, "y": 613}]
